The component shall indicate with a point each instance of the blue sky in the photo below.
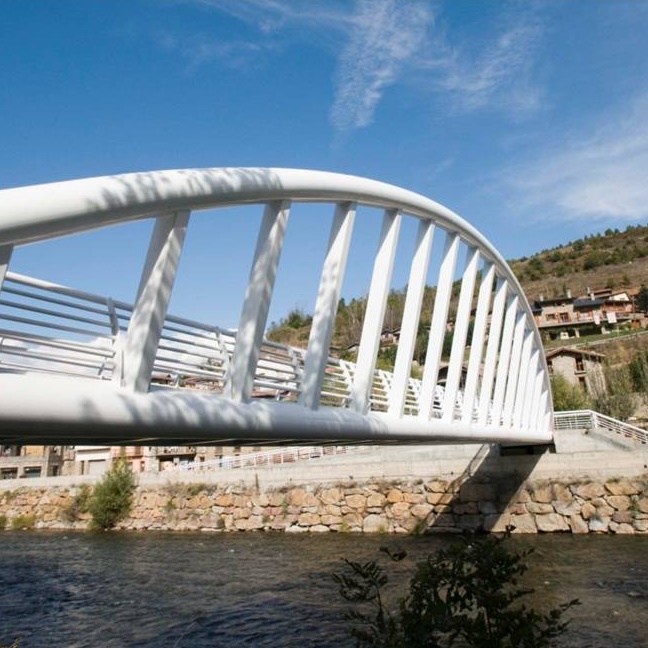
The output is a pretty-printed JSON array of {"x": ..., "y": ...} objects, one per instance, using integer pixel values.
[{"x": 529, "y": 119}]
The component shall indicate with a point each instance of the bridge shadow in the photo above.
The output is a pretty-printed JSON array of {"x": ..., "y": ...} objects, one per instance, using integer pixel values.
[{"x": 482, "y": 497}]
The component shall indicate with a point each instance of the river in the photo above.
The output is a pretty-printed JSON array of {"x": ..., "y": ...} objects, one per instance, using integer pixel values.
[{"x": 198, "y": 590}]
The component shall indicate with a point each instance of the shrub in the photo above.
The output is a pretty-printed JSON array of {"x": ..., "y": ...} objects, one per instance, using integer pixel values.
[
  {"x": 78, "y": 505},
  {"x": 3, "y": 522},
  {"x": 112, "y": 497},
  {"x": 567, "y": 396},
  {"x": 615, "y": 396},
  {"x": 466, "y": 594},
  {"x": 23, "y": 522}
]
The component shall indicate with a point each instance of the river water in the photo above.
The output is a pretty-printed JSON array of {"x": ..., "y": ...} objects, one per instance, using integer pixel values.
[{"x": 203, "y": 590}]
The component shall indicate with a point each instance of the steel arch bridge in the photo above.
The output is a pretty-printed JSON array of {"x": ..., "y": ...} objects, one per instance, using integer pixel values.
[{"x": 82, "y": 368}]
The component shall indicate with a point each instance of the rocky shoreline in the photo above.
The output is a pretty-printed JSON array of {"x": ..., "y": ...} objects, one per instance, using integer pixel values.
[{"x": 375, "y": 506}]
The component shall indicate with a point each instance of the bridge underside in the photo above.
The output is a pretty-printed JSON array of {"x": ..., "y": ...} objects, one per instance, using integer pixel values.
[{"x": 74, "y": 411}]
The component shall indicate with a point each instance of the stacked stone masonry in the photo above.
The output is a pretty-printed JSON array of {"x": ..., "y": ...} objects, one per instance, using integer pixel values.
[{"x": 613, "y": 506}]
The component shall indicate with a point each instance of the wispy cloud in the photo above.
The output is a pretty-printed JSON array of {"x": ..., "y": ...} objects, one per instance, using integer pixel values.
[
  {"x": 386, "y": 36},
  {"x": 200, "y": 50},
  {"x": 600, "y": 176},
  {"x": 380, "y": 43},
  {"x": 500, "y": 75}
]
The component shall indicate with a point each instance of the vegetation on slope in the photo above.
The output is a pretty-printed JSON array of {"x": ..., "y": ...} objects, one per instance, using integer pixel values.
[{"x": 613, "y": 259}]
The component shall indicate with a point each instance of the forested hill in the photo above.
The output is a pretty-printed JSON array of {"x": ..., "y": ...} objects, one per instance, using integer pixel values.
[{"x": 614, "y": 259}]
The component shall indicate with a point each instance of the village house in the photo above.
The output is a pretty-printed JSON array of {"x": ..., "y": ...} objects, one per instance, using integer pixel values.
[
  {"x": 601, "y": 311},
  {"x": 24, "y": 461},
  {"x": 579, "y": 366}
]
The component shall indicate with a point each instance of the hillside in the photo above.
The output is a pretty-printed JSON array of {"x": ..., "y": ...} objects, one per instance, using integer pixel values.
[{"x": 613, "y": 259}]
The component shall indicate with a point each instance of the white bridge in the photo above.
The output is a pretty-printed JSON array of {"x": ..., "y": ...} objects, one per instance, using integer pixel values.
[{"x": 80, "y": 368}]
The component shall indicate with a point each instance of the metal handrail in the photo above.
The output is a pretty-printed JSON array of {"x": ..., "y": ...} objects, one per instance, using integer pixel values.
[
  {"x": 276, "y": 457},
  {"x": 589, "y": 419},
  {"x": 191, "y": 354}
]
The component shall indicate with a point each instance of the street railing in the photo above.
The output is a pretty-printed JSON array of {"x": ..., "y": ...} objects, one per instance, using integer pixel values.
[{"x": 589, "y": 419}]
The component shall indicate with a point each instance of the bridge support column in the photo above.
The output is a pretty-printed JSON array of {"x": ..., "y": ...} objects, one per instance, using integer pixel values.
[
  {"x": 135, "y": 366},
  {"x": 257, "y": 301},
  {"x": 527, "y": 373},
  {"x": 515, "y": 366}
]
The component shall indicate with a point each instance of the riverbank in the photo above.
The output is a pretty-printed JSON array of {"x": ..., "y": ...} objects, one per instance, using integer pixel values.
[
  {"x": 376, "y": 506},
  {"x": 584, "y": 484}
]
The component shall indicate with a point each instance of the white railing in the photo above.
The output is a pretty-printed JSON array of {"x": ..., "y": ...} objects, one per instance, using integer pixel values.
[
  {"x": 269, "y": 458},
  {"x": 589, "y": 419},
  {"x": 190, "y": 355}
]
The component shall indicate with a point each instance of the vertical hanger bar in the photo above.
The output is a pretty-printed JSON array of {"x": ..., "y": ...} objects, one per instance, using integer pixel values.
[
  {"x": 411, "y": 317},
  {"x": 375, "y": 313},
  {"x": 257, "y": 300},
  {"x": 326, "y": 305}
]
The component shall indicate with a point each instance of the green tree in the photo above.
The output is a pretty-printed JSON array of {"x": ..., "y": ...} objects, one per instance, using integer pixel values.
[
  {"x": 638, "y": 368},
  {"x": 614, "y": 396},
  {"x": 112, "y": 497},
  {"x": 642, "y": 299},
  {"x": 467, "y": 594},
  {"x": 566, "y": 396}
]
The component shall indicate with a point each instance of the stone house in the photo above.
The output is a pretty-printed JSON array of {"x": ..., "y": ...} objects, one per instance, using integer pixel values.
[{"x": 579, "y": 366}]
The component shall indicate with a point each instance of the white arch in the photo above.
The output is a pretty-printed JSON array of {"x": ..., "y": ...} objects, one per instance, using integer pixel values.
[{"x": 41, "y": 212}]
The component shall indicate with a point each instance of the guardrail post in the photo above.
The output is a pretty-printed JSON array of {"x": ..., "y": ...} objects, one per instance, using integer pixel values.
[
  {"x": 375, "y": 312},
  {"x": 145, "y": 327},
  {"x": 257, "y": 300},
  {"x": 328, "y": 297},
  {"x": 5, "y": 257}
]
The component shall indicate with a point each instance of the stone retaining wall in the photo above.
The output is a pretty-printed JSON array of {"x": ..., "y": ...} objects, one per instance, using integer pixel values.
[{"x": 377, "y": 506}]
